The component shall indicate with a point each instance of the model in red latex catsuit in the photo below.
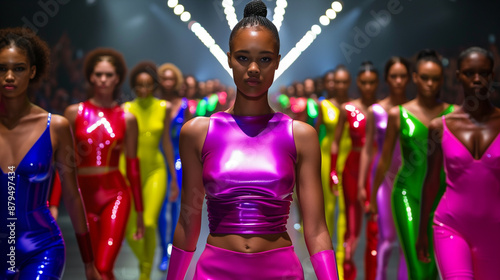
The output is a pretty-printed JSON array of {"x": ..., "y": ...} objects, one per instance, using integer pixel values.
[
  {"x": 354, "y": 115},
  {"x": 102, "y": 131}
]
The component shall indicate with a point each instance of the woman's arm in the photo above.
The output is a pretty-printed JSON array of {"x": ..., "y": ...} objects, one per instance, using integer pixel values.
[
  {"x": 310, "y": 196},
  {"x": 319, "y": 120},
  {"x": 64, "y": 156},
  {"x": 309, "y": 190},
  {"x": 133, "y": 170},
  {"x": 391, "y": 136},
  {"x": 431, "y": 186},
  {"x": 366, "y": 155},
  {"x": 188, "y": 227},
  {"x": 168, "y": 149}
]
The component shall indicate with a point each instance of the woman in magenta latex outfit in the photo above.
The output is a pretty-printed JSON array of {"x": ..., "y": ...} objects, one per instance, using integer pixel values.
[
  {"x": 353, "y": 114},
  {"x": 396, "y": 74},
  {"x": 467, "y": 219},
  {"x": 103, "y": 131},
  {"x": 33, "y": 142},
  {"x": 246, "y": 160}
]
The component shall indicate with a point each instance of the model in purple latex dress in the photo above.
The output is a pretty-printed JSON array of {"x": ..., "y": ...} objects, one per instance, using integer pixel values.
[
  {"x": 396, "y": 74},
  {"x": 467, "y": 218},
  {"x": 247, "y": 161}
]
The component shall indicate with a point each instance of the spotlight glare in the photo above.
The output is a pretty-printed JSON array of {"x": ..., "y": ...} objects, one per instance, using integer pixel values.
[
  {"x": 185, "y": 16},
  {"x": 331, "y": 14},
  {"x": 172, "y": 3},
  {"x": 316, "y": 29},
  {"x": 337, "y": 6},
  {"x": 324, "y": 20},
  {"x": 178, "y": 9}
]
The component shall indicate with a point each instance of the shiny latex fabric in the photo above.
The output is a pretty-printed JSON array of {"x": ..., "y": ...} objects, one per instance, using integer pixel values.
[
  {"x": 387, "y": 230},
  {"x": 107, "y": 202},
  {"x": 330, "y": 115},
  {"x": 99, "y": 133},
  {"x": 39, "y": 246},
  {"x": 249, "y": 173},
  {"x": 150, "y": 115},
  {"x": 357, "y": 123},
  {"x": 406, "y": 194},
  {"x": 466, "y": 239},
  {"x": 99, "y": 136},
  {"x": 222, "y": 264},
  {"x": 169, "y": 214}
]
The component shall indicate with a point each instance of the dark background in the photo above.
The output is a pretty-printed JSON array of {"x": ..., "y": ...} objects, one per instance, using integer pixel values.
[{"x": 149, "y": 30}]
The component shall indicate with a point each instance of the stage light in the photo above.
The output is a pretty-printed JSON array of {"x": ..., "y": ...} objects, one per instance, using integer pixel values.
[
  {"x": 316, "y": 29},
  {"x": 185, "y": 16},
  {"x": 178, "y": 9},
  {"x": 324, "y": 20},
  {"x": 172, "y": 3},
  {"x": 337, "y": 6},
  {"x": 331, "y": 14},
  {"x": 279, "y": 13}
]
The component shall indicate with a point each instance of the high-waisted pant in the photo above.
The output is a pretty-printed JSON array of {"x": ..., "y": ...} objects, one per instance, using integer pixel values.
[{"x": 222, "y": 264}]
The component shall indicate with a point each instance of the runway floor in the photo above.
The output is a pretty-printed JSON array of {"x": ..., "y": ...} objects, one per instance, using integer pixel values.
[{"x": 126, "y": 266}]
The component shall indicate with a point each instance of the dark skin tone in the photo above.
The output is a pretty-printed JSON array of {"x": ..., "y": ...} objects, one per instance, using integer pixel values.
[
  {"x": 335, "y": 96},
  {"x": 367, "y": 83},
  {"x": 20, "y": 119},
  {"x": 476, "y": 127},
  {"x": 397, "y": 78},
  {"x": 425, "y": 107},
  {"x": 253, "y": 58}
]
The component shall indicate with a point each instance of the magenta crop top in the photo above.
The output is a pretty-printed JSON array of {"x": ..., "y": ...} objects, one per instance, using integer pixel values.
[{"x": 249, "y": 173}]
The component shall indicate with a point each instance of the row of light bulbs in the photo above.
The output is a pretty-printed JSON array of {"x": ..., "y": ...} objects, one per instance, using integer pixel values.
[{"x": 232, "y": 20}]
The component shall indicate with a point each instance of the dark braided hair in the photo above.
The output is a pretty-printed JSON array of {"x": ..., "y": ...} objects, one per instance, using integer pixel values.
[
  {"x": 255, "y": 15},
  {"x": 426, "y": 55},
  {"x": 35, "y": 48},
  {"x": 367, "y": 66},
  {"x": 393, "y": 60}
]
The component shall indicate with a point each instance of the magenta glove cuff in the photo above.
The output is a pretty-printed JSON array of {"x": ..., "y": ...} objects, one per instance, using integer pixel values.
[
  {"x": 179, "y": 263},
  {"x": 324, "y": 265}
]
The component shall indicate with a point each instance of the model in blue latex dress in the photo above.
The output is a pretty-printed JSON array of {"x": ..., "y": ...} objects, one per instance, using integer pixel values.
[{"x": 31, "y": 140}]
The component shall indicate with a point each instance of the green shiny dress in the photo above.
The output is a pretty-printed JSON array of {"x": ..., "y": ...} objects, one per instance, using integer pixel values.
[{"x": 406, "y": 195}]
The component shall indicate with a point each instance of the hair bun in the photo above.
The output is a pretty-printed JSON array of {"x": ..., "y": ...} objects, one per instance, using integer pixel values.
[
  {"x": 255, "y": 8},
  {"x": 427, "y": 53}
]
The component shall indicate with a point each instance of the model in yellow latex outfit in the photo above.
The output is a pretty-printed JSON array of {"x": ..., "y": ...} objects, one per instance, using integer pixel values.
[
  {"x": 153, "y": 121},
  {"x": 336, "y": 84}
]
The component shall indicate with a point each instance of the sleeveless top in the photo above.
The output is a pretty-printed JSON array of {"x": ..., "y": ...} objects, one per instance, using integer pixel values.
[
  {"x": 357, "y": 123},
  {"x": 473, "y": 186},
  {"x": 249, "y": 173},
  {"x": 413, "y": 141},
  {"x": 380, "y": 119},
  {"x": 99, "y": 135},
  {"x": 29, "y": 184},
  {"x": 150, "y": 114}
]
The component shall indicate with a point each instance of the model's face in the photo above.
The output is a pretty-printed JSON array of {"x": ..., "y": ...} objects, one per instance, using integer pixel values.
[
  {"x": 168, "y": 80},
  {"x": 397, "y": 78},
  {"x": 475, "y": 74},
  {"x": 104, "y": 78},
  {"x": 15, "y": 72},
  {"x": 254, "y": 58},
  {"x": 428, "y": 78},
  {"x": 342, "y": 81},
  {"x": 367, "y": 83},
  {"x": 329, "y": 82},
  {"x": 144, "y": 85}
]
